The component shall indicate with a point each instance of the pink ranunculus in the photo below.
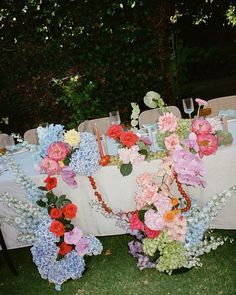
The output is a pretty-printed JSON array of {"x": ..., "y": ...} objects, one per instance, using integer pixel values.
[
  {"x": 201, "y": 126},
  {"x": 171, "y": 141},
  {"x": 201, "y": 102},
  {"x": 168, "y": 122},
  {"x": 72, "y": 237},
  {"x": 58, "y": 151},
  {"x": 82, "y": 247},
  {"x": 207, "y": 144},
  {"x": 135, "y": 222},
  {"x": 50, "y": 166}
]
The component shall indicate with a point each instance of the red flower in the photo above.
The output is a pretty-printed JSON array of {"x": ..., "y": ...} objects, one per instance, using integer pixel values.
[
  {"x": 55, "y": 213},
  {"x": 128, "y": 138},
  {"x": 151, "y": 234},
  {"x": 64, "y": 248},
  {"x": 135, "y": 222},
  {"x": 114, "y": 131},
  {"x": 69, "y": 211},
  {"x": 51, "y": 182},
  {"x": 57, "y": 228},
  {"x": 207, "y": 144}
]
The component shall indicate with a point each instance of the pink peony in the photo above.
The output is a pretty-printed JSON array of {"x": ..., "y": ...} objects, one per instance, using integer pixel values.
[
  {"x": 201, "y": 126},
  {"x": 50, "y": 166},
  {"x": 168, "y": 122},
  {"x": 171, "y": 141},
  {"x": 201, "y": 102},
  {"x": 58, "y": 151},
  {"x": 207, "y": 144},
  {"x": 135, "y": 222},
  {"x": 73, "y": 236}
]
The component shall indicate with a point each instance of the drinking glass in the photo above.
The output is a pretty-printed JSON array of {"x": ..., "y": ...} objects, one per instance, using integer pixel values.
[
  {"x": 188, "y": 106},
  {"x": 114, "y": 117}
]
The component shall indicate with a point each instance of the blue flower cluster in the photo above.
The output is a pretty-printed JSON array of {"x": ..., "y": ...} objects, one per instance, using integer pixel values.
[
  {"x": 33, "y": 193},
  {"x": 48, "y": 135},
  {"x": 45, "y": 252},
  {"x": 85, "y": 160}
]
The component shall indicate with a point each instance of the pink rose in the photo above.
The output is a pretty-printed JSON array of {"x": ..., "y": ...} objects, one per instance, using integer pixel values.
[
  {"x": 171, "y": 141},
  {"x": 201, "y": 126},
  {"x": 207, "y": 144},
  {"x": 135, "y": 222},
  {"x": 201, "y": 102},
  {"x": 58, "y": 151},
  {"x": 50, "y": 166},
  {"x": 168, "y": 122}
]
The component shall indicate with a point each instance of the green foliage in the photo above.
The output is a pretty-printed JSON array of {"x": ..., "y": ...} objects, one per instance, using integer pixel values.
[{"x": 126, "y": 169}]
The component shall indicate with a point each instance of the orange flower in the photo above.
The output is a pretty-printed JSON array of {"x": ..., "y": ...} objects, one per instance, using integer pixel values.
[
  {"x": 169, "y": 216},
  {"x": 174, "y": 201}
]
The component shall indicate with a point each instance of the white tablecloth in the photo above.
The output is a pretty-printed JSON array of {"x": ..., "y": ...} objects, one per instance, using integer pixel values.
[{"x": 119, "y": 191}]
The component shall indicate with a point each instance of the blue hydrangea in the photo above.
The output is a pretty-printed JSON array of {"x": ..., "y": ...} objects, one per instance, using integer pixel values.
[
  {"x": 47, "y": 136},
  {"x": 45, "y": 252},
  {"x": 85, "y": 160}
]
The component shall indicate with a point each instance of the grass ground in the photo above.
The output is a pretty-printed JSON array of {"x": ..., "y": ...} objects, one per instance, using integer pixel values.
[{"x": 115, "y": 272}]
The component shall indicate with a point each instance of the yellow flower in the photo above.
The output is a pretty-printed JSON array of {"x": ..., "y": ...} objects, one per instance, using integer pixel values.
[{"x": 72, "y": 137}]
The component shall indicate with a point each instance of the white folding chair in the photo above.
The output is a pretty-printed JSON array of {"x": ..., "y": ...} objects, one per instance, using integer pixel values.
[
  {"x": 221, "y": 104},
  {"x": 151, "y": 116},
  {"x": 88, "y": 126},
  {"x": 6, "y": 140},
  {"x": 31, "y": 136}
]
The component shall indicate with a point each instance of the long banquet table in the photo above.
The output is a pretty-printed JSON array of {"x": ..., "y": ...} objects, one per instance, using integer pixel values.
[{"x": 119, "y": 192}]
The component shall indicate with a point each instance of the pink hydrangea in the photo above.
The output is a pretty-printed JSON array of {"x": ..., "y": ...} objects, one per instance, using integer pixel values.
[
  {"x": 176, "y": 229},
  {"x": 58, "y": 151},
  {"x": 145, "y": 179},
  {"x": 130, "y": 155},
  {"x": 50, "y": 166},
  {"x": 201, "y": 126},
  {"x": 207, "y": 144},
  {"x": 171, "y": 141},
  {"x": 168, "y": 122},
  {"x": 162, "y": 203},
  {"x": 154, "y": 220},
  {"x": 72, "y": 237}
]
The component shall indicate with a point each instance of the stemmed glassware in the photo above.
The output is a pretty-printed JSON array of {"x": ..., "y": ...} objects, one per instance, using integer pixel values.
[
  {"x": 114, "y": 118},
  {"x": 188, "y": 106}
]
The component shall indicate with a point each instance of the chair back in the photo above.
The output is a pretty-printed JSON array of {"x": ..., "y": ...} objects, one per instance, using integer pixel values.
[
  {"x": 221, "y": 104},
  {"x": 31, "y": 136},
  {"x": 6, "y": 140},
  {"x": 151, "y": 116},
  {"x": 88, "y": 126}
]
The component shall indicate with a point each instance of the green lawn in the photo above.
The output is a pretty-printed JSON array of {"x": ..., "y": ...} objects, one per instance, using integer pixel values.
[{"x": 115, "y": 272}]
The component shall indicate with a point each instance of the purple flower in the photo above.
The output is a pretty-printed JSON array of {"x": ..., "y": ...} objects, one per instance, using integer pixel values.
[
  {"x": 82, "y": 247},
  {"x": 191, "y": 142},
  {"x": 68, "y": 176},
  {"x": 135, "y": 248},
  {"x": 145, "y": 140},
  {"x": 73, "y": 237}
]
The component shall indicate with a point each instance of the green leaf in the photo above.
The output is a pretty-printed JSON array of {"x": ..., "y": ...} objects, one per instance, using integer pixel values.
[
  {"x": 41, "y": 203},
  {"x": 51, "y": 198},
  {"x": 141, "y": 214},
  {"x": 143, "y": 152},
  {"x": 126, "y": 169},
  {"x": 43, "y": 188}
]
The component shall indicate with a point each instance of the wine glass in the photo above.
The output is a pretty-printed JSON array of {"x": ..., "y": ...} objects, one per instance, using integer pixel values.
[
  {"x": 188, "y": 106},
  {"x": 114, "y": 117}
]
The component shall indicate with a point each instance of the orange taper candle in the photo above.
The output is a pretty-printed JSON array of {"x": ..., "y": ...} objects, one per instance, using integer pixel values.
[{"x": 99, "y": 141}]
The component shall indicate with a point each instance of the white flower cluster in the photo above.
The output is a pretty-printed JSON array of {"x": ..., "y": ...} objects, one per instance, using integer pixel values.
[{"x": 26, "y": 218}]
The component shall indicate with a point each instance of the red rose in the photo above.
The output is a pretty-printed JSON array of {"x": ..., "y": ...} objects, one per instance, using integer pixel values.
[
  {"x": 55, "y": 213},
  {"x": 51, "y": 182},
  {"x": 69, "y": 211},
  {"x": 114, "y": 131},
  {"x": 151, "y": 234},
  {"x": 128, "y": 138},
  {"x": 57, "y": 228},
  {"x": 135, "y": 222},
  {"x": 64, "y": 248}
]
